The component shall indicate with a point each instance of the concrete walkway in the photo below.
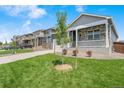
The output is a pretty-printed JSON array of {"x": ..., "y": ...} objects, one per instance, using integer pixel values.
[{"x": 12, "y": 58}]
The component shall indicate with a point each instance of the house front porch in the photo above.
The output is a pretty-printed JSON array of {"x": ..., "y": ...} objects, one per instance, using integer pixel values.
[{"x": 94, "y": 38}]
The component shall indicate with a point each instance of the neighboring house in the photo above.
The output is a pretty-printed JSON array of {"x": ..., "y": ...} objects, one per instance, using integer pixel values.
[
  {"x": 38, "y": 39},
  {"x": 24, "y": 41},
  {"x": 43, "y": 38},
  {"x": 87, "y": 32},
  {"x": 92, "y": 32}
]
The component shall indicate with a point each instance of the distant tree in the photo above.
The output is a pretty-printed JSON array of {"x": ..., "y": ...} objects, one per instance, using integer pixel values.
[
  {"x": 14, "y": 45},
  {"x": 6, "y": 42},
  {"x": 1, "y": 43}
]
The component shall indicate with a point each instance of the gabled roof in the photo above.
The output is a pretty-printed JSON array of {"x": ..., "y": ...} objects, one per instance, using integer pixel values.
[
  {"x": 52, "y": 28},
  {"x": 94, "y": 15},
  {"x": 41, "y": 30},
  {"x": 25, "y": 35}
]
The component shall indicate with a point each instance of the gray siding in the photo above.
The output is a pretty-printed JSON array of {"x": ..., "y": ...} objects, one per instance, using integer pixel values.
[{"x": 85, "y": 20}]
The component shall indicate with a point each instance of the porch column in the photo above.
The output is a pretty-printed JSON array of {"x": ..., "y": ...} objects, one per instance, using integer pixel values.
[
  {"x": 110, "y": 40},
  {"x": 107, "y": 35},
  {"x": 76, "y": 37},
  {"x": 37, "y": 41},
  {"x": 68, "y": 45}
]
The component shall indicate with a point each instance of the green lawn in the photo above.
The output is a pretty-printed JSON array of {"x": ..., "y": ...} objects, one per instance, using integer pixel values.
[
  {"x": 39, "y": 72},
  {"x": 6, "y": 52}
]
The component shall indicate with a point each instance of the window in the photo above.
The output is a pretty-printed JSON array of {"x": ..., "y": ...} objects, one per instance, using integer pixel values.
[
  {"x": 96, "y": 34},
  {"x": 80, "y": 35},
  {"x": 93, "y": 35},
  {"x": 90, "y": 35}
]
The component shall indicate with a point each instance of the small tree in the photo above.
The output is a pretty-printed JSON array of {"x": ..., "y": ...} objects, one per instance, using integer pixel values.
[
  {"x": 6, "y": 43},
  {"x": 61, "y": 30},
  {"x": 14, "y": 45}
]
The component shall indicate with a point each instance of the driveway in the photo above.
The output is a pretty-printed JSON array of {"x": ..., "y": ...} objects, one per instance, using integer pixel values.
[{"x": 12, "y": 58}]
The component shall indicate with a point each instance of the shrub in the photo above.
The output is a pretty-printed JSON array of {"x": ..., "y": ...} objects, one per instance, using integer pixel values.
[{"x": 57, "y": 62}]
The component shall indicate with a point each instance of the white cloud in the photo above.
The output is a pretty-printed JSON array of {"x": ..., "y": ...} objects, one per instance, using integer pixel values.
[
  {"x": 36, "y": 12},
  {"x": 30, "y": 11},
  {"x": 26, "y": 27},
  {"x": 80, "y": 8},
  {"x": 27, "y": 23}
]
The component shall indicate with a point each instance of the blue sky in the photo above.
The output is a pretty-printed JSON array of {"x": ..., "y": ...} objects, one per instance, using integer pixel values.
[{"x": 18, "y": 20}]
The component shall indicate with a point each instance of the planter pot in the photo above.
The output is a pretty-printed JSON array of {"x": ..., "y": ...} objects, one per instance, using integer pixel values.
[
  {"x": 75, "y": 52},
  {"x": 64, "y": 52},
  {"x": 89, "y": 53}
]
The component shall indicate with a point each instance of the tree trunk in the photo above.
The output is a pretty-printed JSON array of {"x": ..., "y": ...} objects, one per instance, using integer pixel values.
[
  {"x": 62, "y": 54},
  {"x": 54, "y": 48},
  {"x": 76, "y": 63}
]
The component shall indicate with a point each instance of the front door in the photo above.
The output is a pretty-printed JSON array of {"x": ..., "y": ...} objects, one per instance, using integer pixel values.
[{"x": 73, "y": 38}]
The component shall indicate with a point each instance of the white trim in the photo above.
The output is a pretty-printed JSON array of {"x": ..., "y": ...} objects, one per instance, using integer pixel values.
[
  {"x": 110, "y": 41},
  {"x": 95, "y": 15},
  {"x": 88, "y": 25},
  {"x": 107, "y": 37},
  {"x": 114, "y": 27}
]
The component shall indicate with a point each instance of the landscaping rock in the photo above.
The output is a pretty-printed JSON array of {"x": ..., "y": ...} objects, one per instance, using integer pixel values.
[{"x": 63, "y": 67}]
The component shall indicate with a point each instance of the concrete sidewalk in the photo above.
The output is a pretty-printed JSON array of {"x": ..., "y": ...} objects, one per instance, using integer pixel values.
[{"x": 12, "y": 58}]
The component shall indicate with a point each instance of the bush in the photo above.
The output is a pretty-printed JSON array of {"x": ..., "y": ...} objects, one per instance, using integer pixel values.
[
  {"x": 75, "y": 52},
  {"x": 89, "y": 53},
  {"x": 57, "y": 62}
]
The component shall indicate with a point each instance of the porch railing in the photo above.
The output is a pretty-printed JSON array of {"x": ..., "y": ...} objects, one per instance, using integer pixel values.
[{"x": 91, "y": 43}]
